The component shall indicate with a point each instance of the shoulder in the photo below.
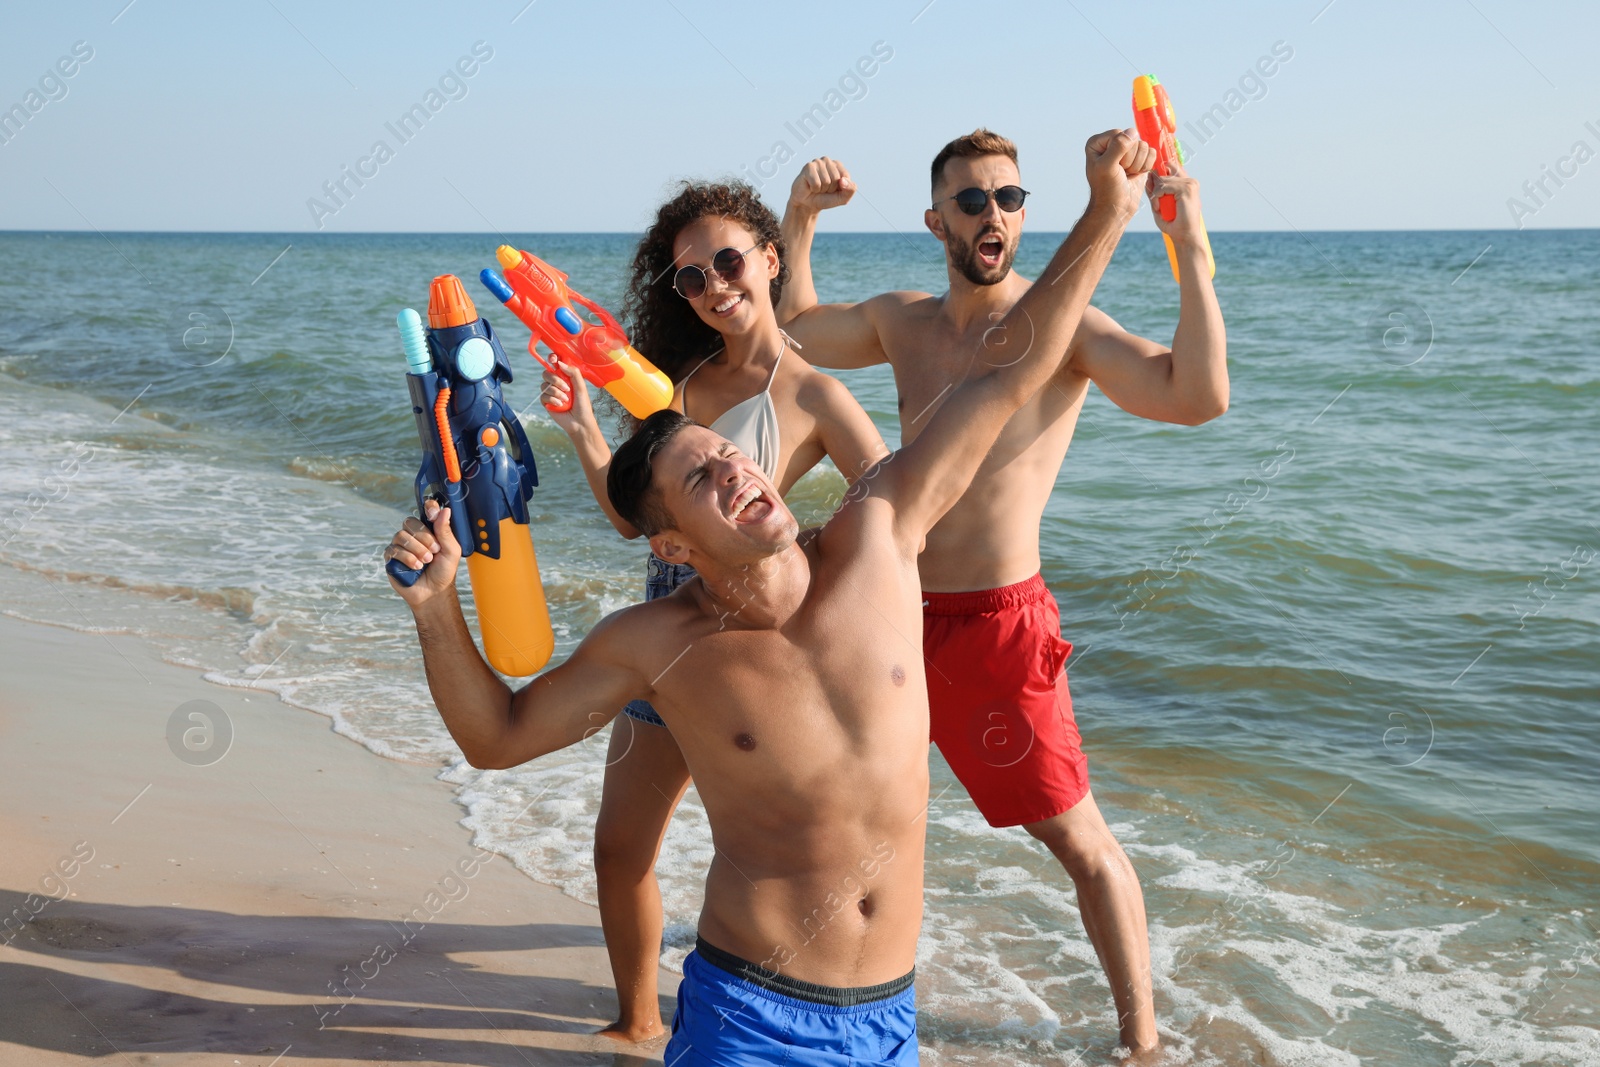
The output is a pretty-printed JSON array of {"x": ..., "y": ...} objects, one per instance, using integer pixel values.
[
  {"x": 817, "y": 393},
  {"x": 629, "y": 631},
  {"x": 901, "y": 303}
]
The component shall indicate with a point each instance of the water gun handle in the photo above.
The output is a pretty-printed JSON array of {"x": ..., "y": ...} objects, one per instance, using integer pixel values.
[
  {"x": 553, "y": 368},
  {"x": 1167, "y": 204},
  {"x": 406, "y": 576}
]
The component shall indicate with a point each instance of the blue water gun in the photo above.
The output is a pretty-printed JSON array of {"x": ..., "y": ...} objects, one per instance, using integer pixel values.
[{"x": 477, "y": 462}]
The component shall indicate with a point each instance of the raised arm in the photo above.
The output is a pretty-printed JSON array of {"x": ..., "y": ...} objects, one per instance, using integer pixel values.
[
  {"x": 594, "y": 455},
  {"x": 1187, "y": 383},
  {"x": 839, "y": 336},
  {"x": 1020, "y": 353},
  {"x": 494, "y": 726}
]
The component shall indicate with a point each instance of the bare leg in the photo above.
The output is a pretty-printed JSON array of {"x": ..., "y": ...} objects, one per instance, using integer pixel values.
[
  {"x": 1112, "y": 905},
  {"x": 645, "y": 779}
]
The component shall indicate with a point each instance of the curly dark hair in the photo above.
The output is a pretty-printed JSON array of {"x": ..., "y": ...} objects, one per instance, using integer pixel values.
[{"x": 663, "y": 326}]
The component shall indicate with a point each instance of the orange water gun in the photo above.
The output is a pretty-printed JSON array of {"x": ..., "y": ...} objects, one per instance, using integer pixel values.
[
  {"x": 538, "y": 294},
  {"x": 1158, "y": 126}
]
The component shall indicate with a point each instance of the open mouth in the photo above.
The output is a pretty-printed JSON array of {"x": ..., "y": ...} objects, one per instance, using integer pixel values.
[
  {"x": 990, "y": 250},
  {"x": 727, "y": 305},
  {"x": 750, "y": 504}
]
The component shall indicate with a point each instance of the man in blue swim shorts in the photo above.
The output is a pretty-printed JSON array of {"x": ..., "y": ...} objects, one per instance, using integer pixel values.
[{"x": 790, "y": 674}]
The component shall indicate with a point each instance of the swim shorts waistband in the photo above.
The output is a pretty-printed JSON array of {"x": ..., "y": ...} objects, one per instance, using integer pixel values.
[
  {"x": 835, "y": 996},
  {"x": 984, "y": 601}
]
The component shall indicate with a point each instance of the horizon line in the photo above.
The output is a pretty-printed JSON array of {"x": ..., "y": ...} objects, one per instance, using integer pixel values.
[{"x": 635, "y": 233}]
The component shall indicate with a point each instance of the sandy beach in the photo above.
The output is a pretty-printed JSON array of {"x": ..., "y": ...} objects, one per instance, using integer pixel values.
[{"x": 297, "y": 900}]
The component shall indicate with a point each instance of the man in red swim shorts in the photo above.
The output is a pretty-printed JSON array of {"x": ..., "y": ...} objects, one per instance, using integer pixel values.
[{"x": 995, "y": 659}]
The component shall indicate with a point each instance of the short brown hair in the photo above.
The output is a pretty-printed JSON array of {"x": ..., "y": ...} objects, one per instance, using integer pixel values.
[
  {"x": 630, "y": 479},
  {"x": 980, "y": 142}
]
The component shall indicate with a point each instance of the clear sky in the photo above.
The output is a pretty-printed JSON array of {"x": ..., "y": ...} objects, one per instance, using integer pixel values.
[{"x": 191, "y": 115}]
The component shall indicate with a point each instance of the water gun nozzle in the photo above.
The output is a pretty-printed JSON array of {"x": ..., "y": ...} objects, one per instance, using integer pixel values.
[{"x": 449, "y": 304}]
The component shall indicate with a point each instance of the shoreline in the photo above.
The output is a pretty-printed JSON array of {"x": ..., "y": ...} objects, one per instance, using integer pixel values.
[{"x": 296, "y": 896}]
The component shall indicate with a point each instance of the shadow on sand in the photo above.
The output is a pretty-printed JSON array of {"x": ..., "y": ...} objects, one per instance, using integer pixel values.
[{"x": 295, "y": 986}]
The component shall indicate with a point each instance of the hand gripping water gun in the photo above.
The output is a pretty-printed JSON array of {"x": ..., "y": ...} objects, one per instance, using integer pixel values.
[
  {"x": 476, "y": 460},
  {"x": 1158, "y": 125},
  {"x": 537, "y": 294}
]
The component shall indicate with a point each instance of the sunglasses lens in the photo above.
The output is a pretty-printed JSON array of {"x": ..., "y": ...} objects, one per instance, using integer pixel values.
[
  {"x": 690, "y": 282},
  {"x": 729, "y": 264},
  {"x": 972, "y": 201},
  {"x": 1010, "y": 197}
]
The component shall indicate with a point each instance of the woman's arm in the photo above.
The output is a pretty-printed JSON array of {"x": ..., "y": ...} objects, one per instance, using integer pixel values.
[
  {"x": 584, "y": 430},
  {"x": 844, "y": 430}
]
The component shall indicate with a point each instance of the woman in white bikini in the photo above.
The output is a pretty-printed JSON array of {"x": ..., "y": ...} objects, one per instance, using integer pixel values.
[{"x": 700, "y": 300}]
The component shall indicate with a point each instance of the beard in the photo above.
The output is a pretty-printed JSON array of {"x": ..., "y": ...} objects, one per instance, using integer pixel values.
[{"x": 964, "y": 257}]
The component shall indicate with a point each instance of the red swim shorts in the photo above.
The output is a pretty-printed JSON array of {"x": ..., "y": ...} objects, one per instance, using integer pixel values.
[{"x": 997, "y": 694}]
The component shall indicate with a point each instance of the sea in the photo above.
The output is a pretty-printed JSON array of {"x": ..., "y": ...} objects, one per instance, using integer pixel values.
[{"x": 1336, "y": 653}]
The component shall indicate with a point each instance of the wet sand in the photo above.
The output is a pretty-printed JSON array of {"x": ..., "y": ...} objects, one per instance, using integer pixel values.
[{"x": 298, "y": 900}]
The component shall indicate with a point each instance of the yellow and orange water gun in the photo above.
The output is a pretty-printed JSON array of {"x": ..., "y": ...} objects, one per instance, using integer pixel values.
[
  {"x": 538, "y": 294},
  {"x": 1158, "y": 127}
]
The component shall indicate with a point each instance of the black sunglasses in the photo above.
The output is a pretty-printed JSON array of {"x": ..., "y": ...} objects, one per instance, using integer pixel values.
[
  {"x": 972, "y": 201},
  {"x": 690, "y": 281}
]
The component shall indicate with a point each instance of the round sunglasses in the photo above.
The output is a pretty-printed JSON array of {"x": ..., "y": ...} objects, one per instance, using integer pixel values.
[
  {"x": 972, "y": 201},
  {"x": 728, "y": 264}
]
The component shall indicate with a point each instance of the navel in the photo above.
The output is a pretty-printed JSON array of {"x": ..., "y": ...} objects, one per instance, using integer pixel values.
[
  {"x": 897, "y": 674},
  {"x": 746, "y": 742}
]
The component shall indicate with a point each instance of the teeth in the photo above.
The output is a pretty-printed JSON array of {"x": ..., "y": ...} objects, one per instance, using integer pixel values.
[
  {"x": 728, "y": 303},
  {"x": 746, "y": 497}
]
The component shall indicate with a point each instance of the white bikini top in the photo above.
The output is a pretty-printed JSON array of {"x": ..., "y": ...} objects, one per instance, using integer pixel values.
[{"x": 752, "y": 423}]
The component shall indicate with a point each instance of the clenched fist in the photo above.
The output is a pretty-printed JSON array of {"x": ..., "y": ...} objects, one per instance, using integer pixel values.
[
  {"x": 821, "y": 184},
  {"x": 1117, "y": 161},
  {"x": 418, "y": 546}
]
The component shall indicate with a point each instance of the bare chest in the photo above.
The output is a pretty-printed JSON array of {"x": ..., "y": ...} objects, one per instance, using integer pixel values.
[
  {"x": 839, "y": 687},
  {"x": 930, "y": 363}
]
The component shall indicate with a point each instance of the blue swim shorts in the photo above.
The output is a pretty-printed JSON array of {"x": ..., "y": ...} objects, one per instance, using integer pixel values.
[
  {"x": 733, "y": 1013},
  {"x": 660, "y": 579}
]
